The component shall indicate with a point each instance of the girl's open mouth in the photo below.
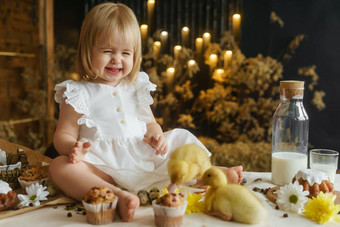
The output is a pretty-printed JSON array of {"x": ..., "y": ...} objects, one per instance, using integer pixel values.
[{"x": 113, "y": 70}]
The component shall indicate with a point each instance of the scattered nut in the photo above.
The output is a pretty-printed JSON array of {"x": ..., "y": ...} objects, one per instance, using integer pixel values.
[
  {"x": 258, "y": 179},
  {"x": 256, "y": 189}
]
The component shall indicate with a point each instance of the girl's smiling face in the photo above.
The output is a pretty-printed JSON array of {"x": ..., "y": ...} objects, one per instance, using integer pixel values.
[{"x": 112, "y": 59}]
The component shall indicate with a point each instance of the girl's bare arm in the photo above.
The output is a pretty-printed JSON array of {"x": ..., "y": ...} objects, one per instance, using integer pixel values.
[
  {"x": 155, "y": 137},
  {"x": 67, "y": 131}
]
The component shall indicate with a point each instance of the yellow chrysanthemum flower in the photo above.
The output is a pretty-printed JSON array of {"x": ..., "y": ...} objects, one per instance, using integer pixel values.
[
  {"x": 165, "y": 191},
  {"x": 322, "y": 208},
  {"x": 194, "y": 203}
]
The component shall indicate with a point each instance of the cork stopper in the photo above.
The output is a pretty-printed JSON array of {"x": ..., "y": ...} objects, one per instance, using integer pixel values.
[{"x": 291, "y": 88}]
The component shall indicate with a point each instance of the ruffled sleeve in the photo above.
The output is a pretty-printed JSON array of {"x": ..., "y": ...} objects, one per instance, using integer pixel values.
[
  {"x": 73, "y": 94},
  {"x": 144, "y": 98}
]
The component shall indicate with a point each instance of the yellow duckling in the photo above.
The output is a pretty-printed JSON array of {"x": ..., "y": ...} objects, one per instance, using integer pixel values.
[
  {"x": 231, "y": 201},
  {"x": 186, "y": 163}
]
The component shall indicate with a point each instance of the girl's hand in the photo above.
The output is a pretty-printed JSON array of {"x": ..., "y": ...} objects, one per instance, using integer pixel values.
[
  {"x": 78, "y": 151},
  {"x": 158, "y": 142},
  {"x": 155, "y": 137}
]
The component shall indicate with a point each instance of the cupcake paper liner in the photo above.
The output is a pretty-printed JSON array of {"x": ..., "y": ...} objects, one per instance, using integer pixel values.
[
  {"x": 168, "y": 216},
  {"x": 102, "y": 213},
  {"x": 24, "y": 184}
]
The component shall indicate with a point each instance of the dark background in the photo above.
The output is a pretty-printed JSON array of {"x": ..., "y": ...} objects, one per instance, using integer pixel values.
[{"x": 318, "y": 20}]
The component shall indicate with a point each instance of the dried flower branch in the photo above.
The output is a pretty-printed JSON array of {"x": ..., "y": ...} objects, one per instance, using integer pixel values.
[{"x": 275, "y": 18}]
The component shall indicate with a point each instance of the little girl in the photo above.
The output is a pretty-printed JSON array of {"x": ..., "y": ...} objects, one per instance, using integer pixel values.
[{"x": 106, "y": 133}]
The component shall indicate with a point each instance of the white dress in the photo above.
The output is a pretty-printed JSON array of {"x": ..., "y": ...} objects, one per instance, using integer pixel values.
[{"x": 114, "y": 121}]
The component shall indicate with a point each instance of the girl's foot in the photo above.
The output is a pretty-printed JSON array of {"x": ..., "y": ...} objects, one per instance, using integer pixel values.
[
  {"x": 127, "y": 205},
  {"x": 234, "y": 174}
]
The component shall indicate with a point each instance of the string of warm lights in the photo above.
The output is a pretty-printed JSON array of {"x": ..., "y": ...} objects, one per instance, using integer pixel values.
[{"x": 217, "y": 63}]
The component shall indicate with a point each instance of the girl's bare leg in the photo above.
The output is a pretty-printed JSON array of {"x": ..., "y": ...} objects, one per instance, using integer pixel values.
[{"x": 75, "y": 180}]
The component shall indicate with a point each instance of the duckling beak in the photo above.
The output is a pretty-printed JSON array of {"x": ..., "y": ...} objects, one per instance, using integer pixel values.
[
  {"x": 199, "y": 184},
  {"x": 172, "y": 187}
]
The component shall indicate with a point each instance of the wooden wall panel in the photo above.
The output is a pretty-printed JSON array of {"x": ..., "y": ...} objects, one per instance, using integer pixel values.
[
  {"x": 26, "y": 42},
  {"x": 19, "y": 48},
  {"x": 18, "y": 26}
]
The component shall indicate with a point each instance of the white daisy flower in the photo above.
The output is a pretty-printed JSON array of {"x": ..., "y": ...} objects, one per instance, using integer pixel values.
[
  {"x": 35, "y": 194},
  {"x": 291, "y": 197}
]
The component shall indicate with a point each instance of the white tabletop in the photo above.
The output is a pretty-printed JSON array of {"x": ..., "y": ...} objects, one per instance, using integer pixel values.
[{"x": 50, "y": 216}]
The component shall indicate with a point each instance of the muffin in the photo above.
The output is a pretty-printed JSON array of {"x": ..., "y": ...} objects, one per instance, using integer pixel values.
[
  {"x": 314, "y": 181},
  {"x": 8, "y": 197},
  {"x": 100, "y": 204},
  {"x": 33, "y": 175},
  {"x": 169, "y": 210}
]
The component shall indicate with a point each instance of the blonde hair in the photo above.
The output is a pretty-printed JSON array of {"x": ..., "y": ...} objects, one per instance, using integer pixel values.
[{"x": 107, "y": 19}]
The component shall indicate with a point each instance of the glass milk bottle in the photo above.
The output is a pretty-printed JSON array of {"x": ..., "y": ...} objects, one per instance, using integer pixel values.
[{"x": 290, "y": 133}]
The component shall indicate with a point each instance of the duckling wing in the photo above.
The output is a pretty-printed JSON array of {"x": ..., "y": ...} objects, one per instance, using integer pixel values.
[
  {"x": 246, "y": 207},
  {"x": 222, "y": 203},
  {"x": 199, "y": 162},
  {"x": 192, "y": 172},
  {"x": 197, "y": 159}
]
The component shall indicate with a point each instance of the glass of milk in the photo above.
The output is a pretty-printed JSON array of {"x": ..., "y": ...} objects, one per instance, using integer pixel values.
[
  {"x": 286, "y": 164},
  {"x": 324, "y": 160}
]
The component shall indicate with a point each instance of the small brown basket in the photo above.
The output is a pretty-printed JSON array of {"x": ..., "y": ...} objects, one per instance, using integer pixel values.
[{"x": 11, "y": 176}]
